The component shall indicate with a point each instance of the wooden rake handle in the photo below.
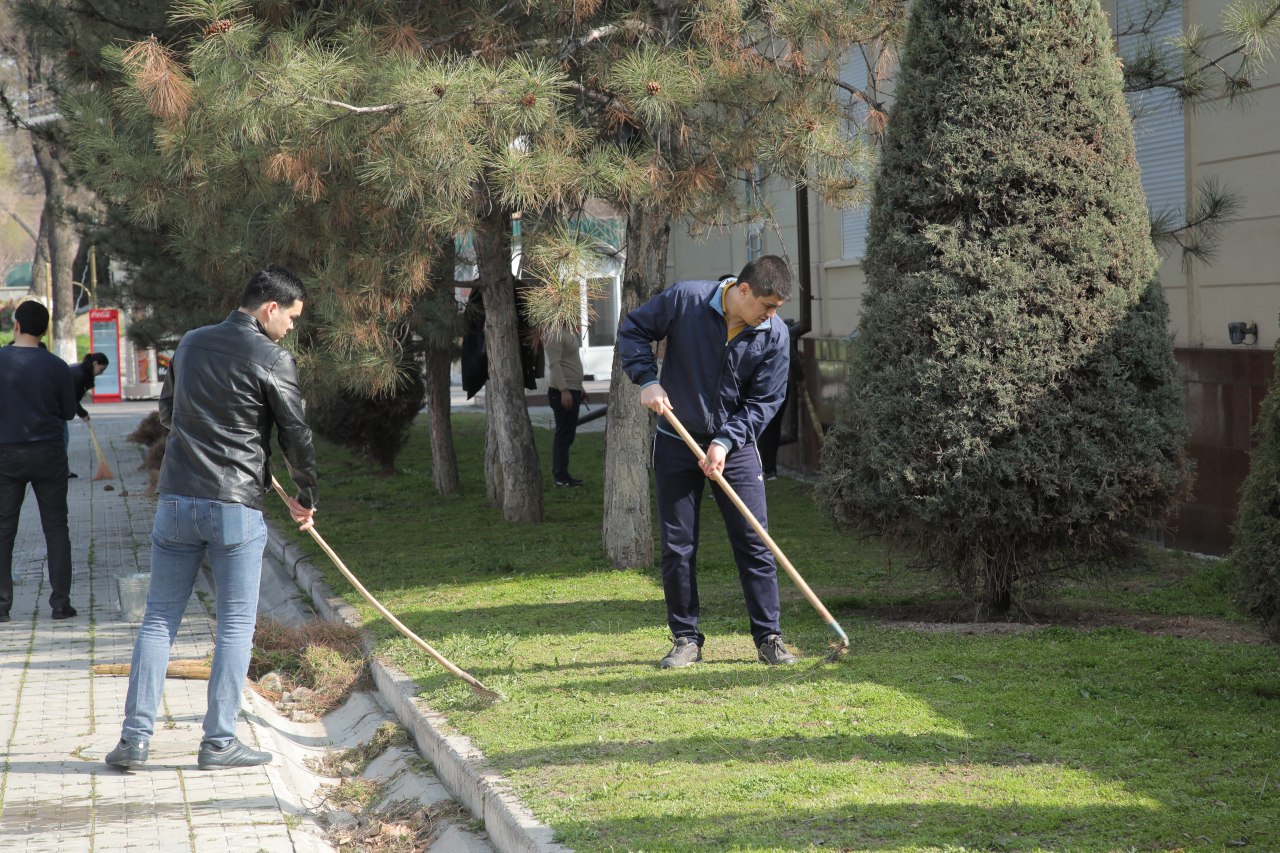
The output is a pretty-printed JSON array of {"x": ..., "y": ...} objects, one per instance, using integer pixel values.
[
  {"x": 759, "y": 529},
  {"x": 476, "y": 686}
]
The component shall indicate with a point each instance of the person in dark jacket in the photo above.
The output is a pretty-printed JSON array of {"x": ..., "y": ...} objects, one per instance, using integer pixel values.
[
  {"x": 82, "y": 377},
  {"x": 35, "y": 404},
  {"x": 228, "y": 387},
  {"x": 724, "y": 376}
]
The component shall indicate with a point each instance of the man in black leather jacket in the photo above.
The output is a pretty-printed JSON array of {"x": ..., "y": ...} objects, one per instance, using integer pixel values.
[{"x": 228, "y": 386}]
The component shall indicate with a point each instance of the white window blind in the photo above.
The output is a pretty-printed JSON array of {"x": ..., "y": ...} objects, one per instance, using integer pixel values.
[
  {"x": 853, "y": 221},
  {"x": 1158, "y": 130}
]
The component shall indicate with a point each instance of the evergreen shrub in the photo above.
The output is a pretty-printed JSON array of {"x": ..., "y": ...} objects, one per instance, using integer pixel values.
[
  {"x": 1256, "y": 540},
  {"x": 374, "y": 426},
  {"x": 1012, "y": 410}
]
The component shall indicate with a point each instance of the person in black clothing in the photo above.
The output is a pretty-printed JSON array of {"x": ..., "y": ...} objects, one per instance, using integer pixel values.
[
  {"x": 82, "y": 376},
  {"x": 35, "y": 387}
]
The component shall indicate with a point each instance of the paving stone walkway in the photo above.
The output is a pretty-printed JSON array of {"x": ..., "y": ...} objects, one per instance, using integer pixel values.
[{"x": 57, "y": 720}]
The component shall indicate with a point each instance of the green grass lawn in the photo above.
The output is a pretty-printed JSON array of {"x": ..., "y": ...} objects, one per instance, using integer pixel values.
[{"x": 1047, "y": 738}]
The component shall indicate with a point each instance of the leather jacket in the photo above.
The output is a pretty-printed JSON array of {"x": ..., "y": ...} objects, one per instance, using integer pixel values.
[{"x": 227, "y": 385}]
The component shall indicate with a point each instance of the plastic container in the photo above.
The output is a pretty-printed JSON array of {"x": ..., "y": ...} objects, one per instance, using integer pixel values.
[{"x": 132, "y": 590}]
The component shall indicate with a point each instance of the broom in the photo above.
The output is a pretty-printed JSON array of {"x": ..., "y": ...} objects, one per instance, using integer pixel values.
[
  {"x": 843, "y": 645},
  {"x": 197, "y": 668},
  {"x": 476, "y": 687},
  {"x": 104, "y": 470}
]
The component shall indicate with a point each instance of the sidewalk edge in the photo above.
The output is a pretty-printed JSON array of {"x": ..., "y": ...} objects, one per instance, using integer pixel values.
[{"x": 460, "y": 766}]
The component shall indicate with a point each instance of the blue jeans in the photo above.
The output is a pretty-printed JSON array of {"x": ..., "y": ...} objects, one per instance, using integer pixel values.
[{"x": 185, "y": 530}]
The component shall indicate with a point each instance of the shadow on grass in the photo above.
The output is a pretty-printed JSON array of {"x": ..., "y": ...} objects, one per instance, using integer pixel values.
[
  {"x": 908, "y": 825},
  {"x": 616, "y": 616}
]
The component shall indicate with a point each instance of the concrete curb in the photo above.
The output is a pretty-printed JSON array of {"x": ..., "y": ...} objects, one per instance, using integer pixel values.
[{"x": 459, "y": 765}]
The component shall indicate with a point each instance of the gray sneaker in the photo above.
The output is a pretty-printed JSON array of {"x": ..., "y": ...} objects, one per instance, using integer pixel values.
[
  {"x": 686, "y": 651},
  {"x": 234, "y": 754},
  {"x": 774, "y": 653},
  {"x": 129, "y": 754}
]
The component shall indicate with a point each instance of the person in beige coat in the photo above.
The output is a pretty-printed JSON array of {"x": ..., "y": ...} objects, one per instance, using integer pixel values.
[{"x": 564, "y": 392}]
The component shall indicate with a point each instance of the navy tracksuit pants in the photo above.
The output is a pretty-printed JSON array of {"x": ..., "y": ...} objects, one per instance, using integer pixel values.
[{"x": 680, "y": 483}]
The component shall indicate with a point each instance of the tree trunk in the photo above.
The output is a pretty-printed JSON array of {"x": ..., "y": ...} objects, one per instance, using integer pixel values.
[
  {"x": 628, "y": 526},
  {"x": 998, "y": 577},
  {"x": 511, "y": 431},
  {"x": 492, "y": 458},
  {"x": 444, "y": 459},
  {"x": 60, "y": 253}
]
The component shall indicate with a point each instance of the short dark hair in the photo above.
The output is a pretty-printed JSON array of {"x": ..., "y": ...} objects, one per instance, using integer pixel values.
[
  {"x": 32, "y": 317},
  {"x": 272, "y": 284},
  {"x": 95, "y": 357},
  {"x": 768, "y": 275}
]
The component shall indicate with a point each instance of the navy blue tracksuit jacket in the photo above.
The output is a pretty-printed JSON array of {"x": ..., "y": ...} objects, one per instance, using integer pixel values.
[{"x": 727, "y": 391}]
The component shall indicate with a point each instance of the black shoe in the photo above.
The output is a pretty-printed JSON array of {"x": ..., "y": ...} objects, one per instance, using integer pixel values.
[
  {"x": 686, "y": 651},
  {"x": 571, "y": 483},
  {"x": 129, "y": 754},
  {"x": 4, "y": 617},
  {"x": 234, "y": 754},
  {"x": 773, "y": 652},
  {"x": 64, "y": 612},
  {"x": 771, "y": 475},
  {"x": 73, "y": 475}
]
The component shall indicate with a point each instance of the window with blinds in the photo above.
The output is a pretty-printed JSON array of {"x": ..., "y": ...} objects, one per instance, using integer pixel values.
[
  {"x": 1159, "y": 131},
  {"x": 853, "y": 221}
]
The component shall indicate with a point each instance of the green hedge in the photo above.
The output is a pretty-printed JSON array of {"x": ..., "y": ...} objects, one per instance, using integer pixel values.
[{"x": 1257, "y": 528}]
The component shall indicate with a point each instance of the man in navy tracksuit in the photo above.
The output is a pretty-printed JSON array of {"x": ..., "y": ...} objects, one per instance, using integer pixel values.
[{"x": 724, "y": 376}]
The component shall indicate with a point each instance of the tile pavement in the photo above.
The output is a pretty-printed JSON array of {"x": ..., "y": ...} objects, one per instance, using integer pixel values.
[{"x": 57, "y": 720}]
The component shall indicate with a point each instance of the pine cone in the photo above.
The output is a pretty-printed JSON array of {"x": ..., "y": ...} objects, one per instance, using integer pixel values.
[{"x": 217, "y": 28}]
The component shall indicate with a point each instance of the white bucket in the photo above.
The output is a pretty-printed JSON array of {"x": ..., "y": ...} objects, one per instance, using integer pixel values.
[{"x": 132, "y": 590}]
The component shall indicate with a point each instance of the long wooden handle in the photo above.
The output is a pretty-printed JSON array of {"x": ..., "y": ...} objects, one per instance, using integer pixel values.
[
  {"x": 759, "y": 529},
  {"x": 476, "y": 686},
  {"x": 96, "y": 446}
]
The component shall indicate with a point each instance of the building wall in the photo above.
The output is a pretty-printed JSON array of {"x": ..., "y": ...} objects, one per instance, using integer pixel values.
[
  {"x": 1240, "y": 147},
  {"x": 1237, "y": 145}
]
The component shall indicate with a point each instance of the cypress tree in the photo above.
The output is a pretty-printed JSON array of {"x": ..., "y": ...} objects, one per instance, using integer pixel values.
[{"x": 1012, "y": 408}]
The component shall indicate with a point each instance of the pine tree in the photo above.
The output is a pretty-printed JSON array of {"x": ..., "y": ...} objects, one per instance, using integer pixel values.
[
  {"x": 268, "y": 170},
  {"x": 1012, "y": 408},
  {"x": 351, "y": 143}
]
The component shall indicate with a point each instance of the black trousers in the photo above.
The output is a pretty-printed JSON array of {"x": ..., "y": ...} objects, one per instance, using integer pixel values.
[
  {"x": 566, "y": 431},
  {"x": 44, "y": 466},
  {"x": 680, "y": 484}
]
